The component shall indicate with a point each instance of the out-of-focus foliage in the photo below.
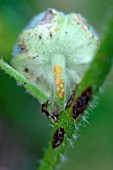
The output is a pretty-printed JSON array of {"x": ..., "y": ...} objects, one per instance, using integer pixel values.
[{"x": 24, "y": 130}]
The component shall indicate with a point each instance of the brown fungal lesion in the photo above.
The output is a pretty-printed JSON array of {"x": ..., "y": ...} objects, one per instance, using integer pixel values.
[
  {"x": 40, "y": 37},
  {"x": 48, "y": 17},
  {"x": 23, "y": 47},
  {"x": 53, "y": 115},
  {"x": 58, "y": 137},
  {"x": 71, "y": 99},
  {"x": 26, "y": 70},
  {"x": 50, "y": 34},
  {"x": 82, "y": 103},
  {"x": 78, "y": 107},
  {"x": 44, "y": 108}
]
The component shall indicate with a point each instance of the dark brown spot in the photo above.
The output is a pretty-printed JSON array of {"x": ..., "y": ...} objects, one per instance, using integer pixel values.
[
  {"x": 55, "y": 113},
  {"x": 55, "y": 118},
  {"x": 40, "y": 37},
  {"x": 78, "y": 23},
  {"x": 58, "y": 137},
  {"x": 48, "y": 17},
  {"x": 26, "y": 70},
  {"x": 24, "y": 83},
  {"x": 70, "y": 101},
  {"x": 82, "y": 102},
  {"x": 84, "y": 22},
  {"x": 44, "y": 108},
  {"x": 23, "y": 47},
  {"x": 50, "y": 34}
]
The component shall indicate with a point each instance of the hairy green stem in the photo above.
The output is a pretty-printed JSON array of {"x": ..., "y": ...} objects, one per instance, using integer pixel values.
[
  {"x": 26, "y": 83},
  {"x": 94, "y": 78}
]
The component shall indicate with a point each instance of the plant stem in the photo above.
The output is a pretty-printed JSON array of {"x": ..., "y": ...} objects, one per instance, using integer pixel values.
[
  {"x": 26, "y": 83},
  {"x": 94, "y": 78}
]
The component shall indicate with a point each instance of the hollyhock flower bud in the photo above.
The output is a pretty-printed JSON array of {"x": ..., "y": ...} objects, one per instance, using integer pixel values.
[{"x": 54, "y": 51}]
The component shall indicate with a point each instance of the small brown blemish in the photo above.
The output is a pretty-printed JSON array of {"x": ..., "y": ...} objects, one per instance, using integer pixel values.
[
  {"x": 82, "y": 102},
  {"x": 58, "y": 137},
  {"x": 78, "y": 23},
  {"x": 48, "y": 17},
  {"x": 26, "y": 70},
  {"x": 50, "y": 34},
  {"x": 71, "y": 99},
  {"x": 40, "y": 37},
  {"x": 55, "y": 113},
  {"x": 44, "y": 108},
  {"x": 23, "y": 47}
]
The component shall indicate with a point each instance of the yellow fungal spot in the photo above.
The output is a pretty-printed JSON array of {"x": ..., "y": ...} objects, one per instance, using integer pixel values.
[
  {"x": 57, "y": 90},
  {"x": 57, "y": 81},
  {"x": 60, "y": 96},
  {"x": 60, "y": 68},
  {"x": 56, "y": 30},
  {"x": 60, "y": 73},
  {"x": 54, "y": 74},
  {"x": 56, "y": 67},
  {"x": 63, "y": 81},
  {"x": 61, "y": 86}
]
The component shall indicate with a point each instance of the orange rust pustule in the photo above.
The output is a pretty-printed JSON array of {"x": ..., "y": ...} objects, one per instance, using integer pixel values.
[
  {"x": 59, "y": 81},
  {"x": 56, "y": 29},
  {"x": 58, "y": 90},
  {"x": 60, "y": 96}
]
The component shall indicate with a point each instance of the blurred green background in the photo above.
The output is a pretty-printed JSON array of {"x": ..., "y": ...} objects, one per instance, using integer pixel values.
[{"x": 24, "y": 130}]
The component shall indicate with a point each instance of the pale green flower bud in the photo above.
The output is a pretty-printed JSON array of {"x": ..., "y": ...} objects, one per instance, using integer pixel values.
[{"x": 54, "y": 52}]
